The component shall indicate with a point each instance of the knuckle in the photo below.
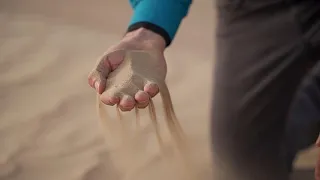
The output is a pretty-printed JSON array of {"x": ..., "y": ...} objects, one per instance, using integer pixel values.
[
  {"x": 107, "y": 102},
  {"x": 143, "y": 105},
  {"x": 94, "y": 75},
  {"x": 91, "y": 81},
  {"x": 125, "y": 108}
]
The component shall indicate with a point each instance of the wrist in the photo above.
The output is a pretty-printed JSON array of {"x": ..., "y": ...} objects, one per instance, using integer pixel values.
[{"x": 146, "y": 38}]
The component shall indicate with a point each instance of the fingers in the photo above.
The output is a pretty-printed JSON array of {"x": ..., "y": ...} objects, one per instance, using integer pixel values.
[
  {"x": 98, "y": 77},
  {"x": 126, "y": 102},
  {"x": 151, "y": 88},
  {"x": 97, "y": 80},
  {"x": 128, "y": 85},
  {"x": 142, "y": 99},
  {"x": 110, "y": 100}
]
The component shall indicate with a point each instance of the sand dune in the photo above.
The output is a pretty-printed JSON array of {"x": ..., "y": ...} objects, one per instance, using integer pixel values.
[{"x": 49, "y": 129}]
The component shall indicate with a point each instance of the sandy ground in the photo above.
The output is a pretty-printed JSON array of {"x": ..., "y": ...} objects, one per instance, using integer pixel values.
[{"x": 49, "y": 129}]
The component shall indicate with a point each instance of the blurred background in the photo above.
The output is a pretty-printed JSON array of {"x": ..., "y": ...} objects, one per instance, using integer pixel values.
[{"x": 49, "y": 129}]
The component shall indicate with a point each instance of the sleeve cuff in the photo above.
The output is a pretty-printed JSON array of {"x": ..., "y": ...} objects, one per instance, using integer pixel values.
[
  {"x": 160, "y": 16},
  {"x": 152, "y": 27}
]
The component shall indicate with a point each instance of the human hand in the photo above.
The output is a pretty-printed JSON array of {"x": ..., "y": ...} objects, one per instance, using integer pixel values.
[{"x": 139, "y": 40}]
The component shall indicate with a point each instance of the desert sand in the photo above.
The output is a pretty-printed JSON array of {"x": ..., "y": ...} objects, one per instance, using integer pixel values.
[{"x": 49, "y": 128}]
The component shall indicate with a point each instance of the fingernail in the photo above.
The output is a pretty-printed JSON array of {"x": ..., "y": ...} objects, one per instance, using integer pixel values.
[{"x": 96, "y": 85}]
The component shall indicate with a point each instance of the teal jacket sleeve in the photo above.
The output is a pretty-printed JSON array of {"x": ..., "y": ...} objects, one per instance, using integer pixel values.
[{"x": 161, "y": 16}]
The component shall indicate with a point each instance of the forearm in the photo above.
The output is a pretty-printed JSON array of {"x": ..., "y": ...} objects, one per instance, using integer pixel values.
[{"x": 162, "y": 17}]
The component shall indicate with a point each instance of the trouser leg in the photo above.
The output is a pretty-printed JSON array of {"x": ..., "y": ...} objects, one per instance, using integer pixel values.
[
  {"x": 303, "y": 124},
  {"x": 262, "y": 51}
]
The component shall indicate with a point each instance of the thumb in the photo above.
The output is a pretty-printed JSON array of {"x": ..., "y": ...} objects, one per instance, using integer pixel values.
[
  {"x": 98, "y": 77},
  {"x": 97, "y": 80}
]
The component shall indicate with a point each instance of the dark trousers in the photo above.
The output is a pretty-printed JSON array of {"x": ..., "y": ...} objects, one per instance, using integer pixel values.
[
  {"x": 303, "y": 122},
  {"x": 263, "y": 50}
]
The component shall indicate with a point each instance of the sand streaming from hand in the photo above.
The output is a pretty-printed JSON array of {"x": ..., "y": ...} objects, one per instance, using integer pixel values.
[{"x": 134, "y": 72}]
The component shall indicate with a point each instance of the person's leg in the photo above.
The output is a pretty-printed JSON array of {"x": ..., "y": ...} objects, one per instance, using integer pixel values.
[
  {"x": 303, "y": 124},
  {"x": 262, "y": 52}
]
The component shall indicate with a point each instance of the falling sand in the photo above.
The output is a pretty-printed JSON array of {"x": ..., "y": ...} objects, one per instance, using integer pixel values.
[
  {"x": 138, "y": 69},
  {"x": 49, "y": 128}
]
